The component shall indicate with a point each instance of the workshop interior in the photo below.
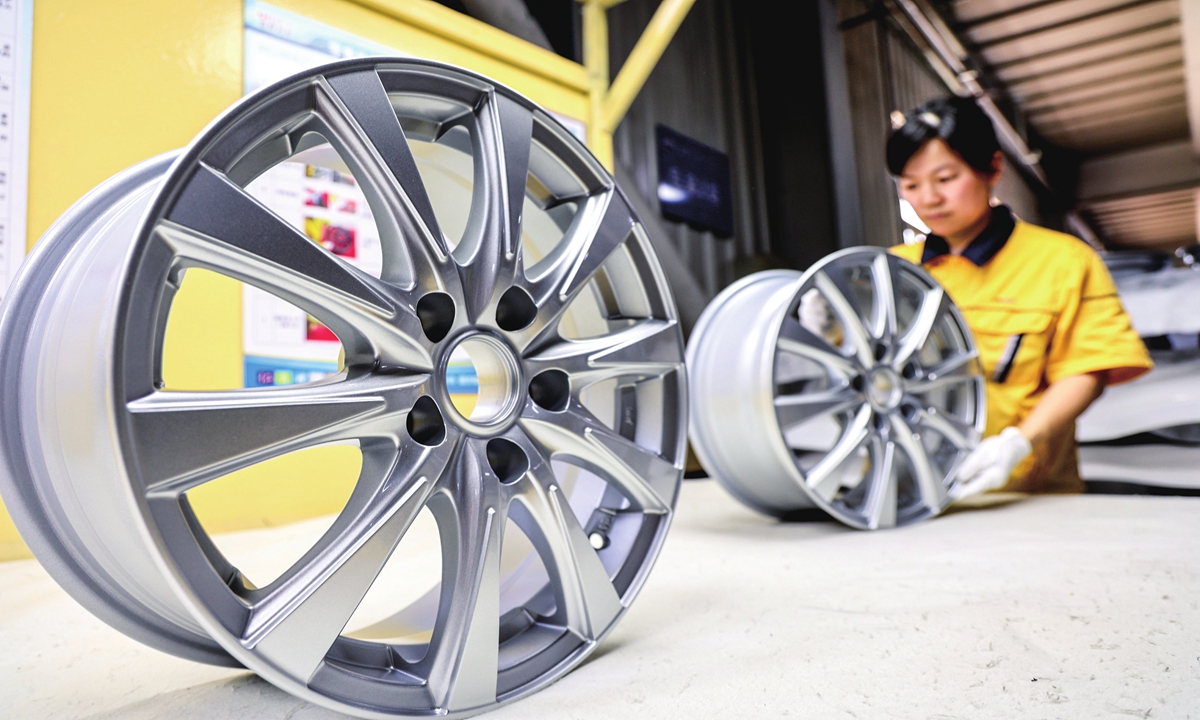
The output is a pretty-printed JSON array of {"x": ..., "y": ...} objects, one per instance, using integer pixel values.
[{"x": 591, "y": 358}]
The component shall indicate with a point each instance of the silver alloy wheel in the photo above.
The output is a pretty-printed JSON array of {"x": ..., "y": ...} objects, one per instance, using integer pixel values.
[
  {"x": 862, "y": 404},
  {"x": 578, "y": 437}
]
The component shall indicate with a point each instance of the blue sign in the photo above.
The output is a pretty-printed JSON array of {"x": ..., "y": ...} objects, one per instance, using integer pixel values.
[
  {"x": 693, "y": 182},
  {"x": 274, "y": 372}
]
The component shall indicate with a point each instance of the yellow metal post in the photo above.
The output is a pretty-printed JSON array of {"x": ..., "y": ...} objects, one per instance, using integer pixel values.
[
  {"x": 595, "y": 59},
  {"x": 641, "y": 61},
  {"x": 609, "y": 104}
]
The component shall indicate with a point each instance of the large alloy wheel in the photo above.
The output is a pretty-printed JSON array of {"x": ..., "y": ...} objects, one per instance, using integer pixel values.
[
  {"x": 553, "y": 289},
  {"x": 853, "y": 387}
]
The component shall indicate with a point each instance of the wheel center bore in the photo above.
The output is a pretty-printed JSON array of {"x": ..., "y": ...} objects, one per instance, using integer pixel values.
[
  {"x": 496, "y": 373},
  {"x": 883, "y": 389}
]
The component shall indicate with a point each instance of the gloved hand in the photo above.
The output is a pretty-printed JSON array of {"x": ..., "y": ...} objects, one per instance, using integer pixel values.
[
  {"x": 817, "y": 317},
  {"x": 990, "y": 463}
]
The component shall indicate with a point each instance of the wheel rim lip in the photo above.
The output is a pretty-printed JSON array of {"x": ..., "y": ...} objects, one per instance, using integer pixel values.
[
  {"x": 174, "y": 177},
  {"x": 774, "y": 438},
  {"x": 71, "y": 566},
  {"x": 704, "y": 328}
]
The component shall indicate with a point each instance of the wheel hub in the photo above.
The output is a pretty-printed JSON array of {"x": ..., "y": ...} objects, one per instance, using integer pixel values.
[
  {"x": 884, "y": 389},
  {"x": 498, "y": 372}
]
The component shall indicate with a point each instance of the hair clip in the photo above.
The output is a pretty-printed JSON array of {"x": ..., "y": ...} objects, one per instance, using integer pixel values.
[
  {"x": 898, "y": 119},
  {"x": 930, "y": 119}
]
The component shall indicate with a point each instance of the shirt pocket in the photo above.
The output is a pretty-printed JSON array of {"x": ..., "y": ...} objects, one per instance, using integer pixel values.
[{"x": 1013, "y": 343}]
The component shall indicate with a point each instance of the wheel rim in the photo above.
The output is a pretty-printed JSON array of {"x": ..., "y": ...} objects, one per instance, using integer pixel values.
[
  {"x": 580, "y": 445},
  {"x": 865, "y": 416}
]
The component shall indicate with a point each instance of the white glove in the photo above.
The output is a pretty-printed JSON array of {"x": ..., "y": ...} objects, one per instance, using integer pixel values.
[
  {"x": 990, "y": 463},
  {"x": 817, "y": 317}
]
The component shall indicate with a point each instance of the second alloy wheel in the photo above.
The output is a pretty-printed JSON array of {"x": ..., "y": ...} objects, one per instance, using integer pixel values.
[{"x": 853, "y": 387}]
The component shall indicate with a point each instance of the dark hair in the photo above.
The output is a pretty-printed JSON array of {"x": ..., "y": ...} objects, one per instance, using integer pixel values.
[{"x": 958, "y": 121}]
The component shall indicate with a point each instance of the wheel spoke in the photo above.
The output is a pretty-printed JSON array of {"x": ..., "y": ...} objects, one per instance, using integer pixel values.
[
  {"x": 218, "y": 226},
  {"x": 301, "y": 614},
  {"x": 586, "y": 599},
  {"x": 821, "y": 478},
  {"x": 954, "y": 370},
  {"x": 462, "y": 663},
  {"x": 880, "y": 506},
  {"x": 364, "y": 124},
  {"x": 795, "y": 409},
  {"x": 232, "y": 430},
  {"x": 962, "y": 436},
  {"x": 851, "y": 321},
  {"x": 795, "y": 339},
  {"x": 885, "y": 297},
  {"x": 933, "y": 492},
  {"x": 932, "y": 307},
  {"x": 490, "y": 248},
  {"x": 647, "y": 349},
  {"x": 642, "y": 475},
  {"x": 602, "y": 223}
]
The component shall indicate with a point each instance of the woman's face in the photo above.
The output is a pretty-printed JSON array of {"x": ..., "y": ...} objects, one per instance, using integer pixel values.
[{"x": 949, "y": 195}]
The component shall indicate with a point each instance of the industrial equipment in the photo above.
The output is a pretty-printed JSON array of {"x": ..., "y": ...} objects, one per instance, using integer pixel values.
[{"x": 1144, "y": 435}]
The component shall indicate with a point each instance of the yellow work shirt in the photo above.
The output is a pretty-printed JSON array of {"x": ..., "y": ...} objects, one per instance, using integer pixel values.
[{"x": 1055, "y": 292}]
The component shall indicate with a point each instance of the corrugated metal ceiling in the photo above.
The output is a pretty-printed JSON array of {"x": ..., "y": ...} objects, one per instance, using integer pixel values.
[{"x": 1098, "y": 77}]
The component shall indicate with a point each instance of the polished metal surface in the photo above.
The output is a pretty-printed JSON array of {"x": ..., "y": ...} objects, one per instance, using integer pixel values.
[
  {"x": 853, "y": 387},
  {"x": 548, "y": 281}
]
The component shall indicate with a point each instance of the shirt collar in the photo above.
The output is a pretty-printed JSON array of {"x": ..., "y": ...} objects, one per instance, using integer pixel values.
[{"x": 984, "y": 247}]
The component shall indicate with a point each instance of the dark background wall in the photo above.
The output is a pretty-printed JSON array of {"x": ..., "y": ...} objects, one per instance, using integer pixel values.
[
  {"x": 790, "y": 89},
  {"x": 700, "y": 89}
]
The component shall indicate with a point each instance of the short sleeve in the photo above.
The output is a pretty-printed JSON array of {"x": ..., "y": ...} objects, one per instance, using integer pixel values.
[
  {"x": 911, "y": 253},
  {"x": 1094, "y": 332}
]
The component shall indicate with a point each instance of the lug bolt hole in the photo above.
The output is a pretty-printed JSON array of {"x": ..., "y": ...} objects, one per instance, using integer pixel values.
[
  {"x": 909, "y": 372},
  {"x": 516, "y": 310},
  {"x": 550, "y": 389},
  {"x": 436, "y": 312},
  {"x": 858, "y": 383},
  {"x": 425, "y": 423},
  {"x": 507, "y": 459}
]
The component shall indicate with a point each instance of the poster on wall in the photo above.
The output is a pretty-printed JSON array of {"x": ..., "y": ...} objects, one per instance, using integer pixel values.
[
  {"x": 281, "y": 344},
  {"x": 16, "y": 41}
]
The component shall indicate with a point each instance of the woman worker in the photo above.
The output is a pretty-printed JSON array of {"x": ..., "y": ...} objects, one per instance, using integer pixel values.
[{"x": 1047, "y": 321}]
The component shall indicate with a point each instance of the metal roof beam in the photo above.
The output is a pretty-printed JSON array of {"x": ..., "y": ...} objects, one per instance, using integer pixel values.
[
  {"x": 1067, "y": 23},
  {"x": 1092, "y": 100},
  {"x": 1094, "y": 42},
  {"x": 1190, "y": 15},
  {"x": 1004, "y": 14},
  {"x": 1033, "y": 97},
  {"x": 1147, "y": 171},
  {"x": 1092, "y": 63}
]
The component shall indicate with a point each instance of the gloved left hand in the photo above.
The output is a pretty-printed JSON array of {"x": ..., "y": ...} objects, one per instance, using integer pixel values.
[{"x": 991, "y": 463}]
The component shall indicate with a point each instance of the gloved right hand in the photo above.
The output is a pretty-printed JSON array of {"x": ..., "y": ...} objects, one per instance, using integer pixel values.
[
  {"x": 817, "y": 317},
  {"x": 991, "y": 463}
]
